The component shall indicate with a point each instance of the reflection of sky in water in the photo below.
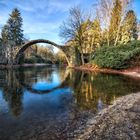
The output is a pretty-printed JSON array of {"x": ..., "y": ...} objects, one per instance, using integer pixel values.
[
  {"x": 0, "y": 92},
  {"x": 51, "y": 99},
  {"x": 43, "y": 84},
  {"x": 51, "y": 106},
  {"x": 3, "y": 104}
]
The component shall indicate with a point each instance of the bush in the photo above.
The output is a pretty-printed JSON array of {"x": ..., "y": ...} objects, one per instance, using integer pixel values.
[
  {"x": 29, "y": 61},
  {"x": 34, "y": 59},
  {"x": 117, "y": 57},
  {"x": 21, "y": 60}
]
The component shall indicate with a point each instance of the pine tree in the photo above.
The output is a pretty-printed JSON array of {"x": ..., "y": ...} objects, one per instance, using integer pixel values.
[
  {"x": 15, "y": 25},
  {"x": 12, "y": 35},
  {"x": 12, "y": 31},
  {"x": 132, "y": 21},
  {"x": 115, "y": 21},
  {"x": 129, "y": 29}
]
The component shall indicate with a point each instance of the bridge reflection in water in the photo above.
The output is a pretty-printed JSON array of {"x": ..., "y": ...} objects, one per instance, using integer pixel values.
[{"x": 87, "y": 91}]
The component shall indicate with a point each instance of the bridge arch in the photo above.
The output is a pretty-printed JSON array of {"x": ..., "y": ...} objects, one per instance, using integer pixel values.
[{"x": 20, "y": 53}]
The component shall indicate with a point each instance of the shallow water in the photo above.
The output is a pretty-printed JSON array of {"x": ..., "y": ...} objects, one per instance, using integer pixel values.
[{"x": 47, "y": 102}]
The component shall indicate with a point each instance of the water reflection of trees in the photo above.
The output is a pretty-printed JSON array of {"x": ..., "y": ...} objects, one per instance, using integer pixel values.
[
  {"x": 91, "y": 91},
  {"x": 33, "y": 75},
  {"x": 94, "y": 90},
  {"x": 12, "y": 92},
  {"x": 11, "y": 82}
]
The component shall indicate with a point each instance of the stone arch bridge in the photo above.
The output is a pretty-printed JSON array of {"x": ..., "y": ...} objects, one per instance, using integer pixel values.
[{"x": 64, "y": 48}]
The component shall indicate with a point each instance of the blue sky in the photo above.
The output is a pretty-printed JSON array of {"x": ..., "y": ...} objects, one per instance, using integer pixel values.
[{"x": 42, "y": 18}]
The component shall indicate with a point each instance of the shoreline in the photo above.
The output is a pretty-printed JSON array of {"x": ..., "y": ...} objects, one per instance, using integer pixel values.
[
  {"x": 132, "y": 72},
  {"x": 118, "y": 121}
]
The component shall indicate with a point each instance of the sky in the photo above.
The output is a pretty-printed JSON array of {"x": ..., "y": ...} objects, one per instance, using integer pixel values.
[{"x": 42, "y": 18}]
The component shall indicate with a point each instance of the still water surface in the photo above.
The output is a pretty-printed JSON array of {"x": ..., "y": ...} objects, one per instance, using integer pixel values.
[{"x": 47, "y": 102}]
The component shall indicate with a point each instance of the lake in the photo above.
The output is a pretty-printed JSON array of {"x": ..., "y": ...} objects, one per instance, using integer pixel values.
[{"x": 47, "y": 103}]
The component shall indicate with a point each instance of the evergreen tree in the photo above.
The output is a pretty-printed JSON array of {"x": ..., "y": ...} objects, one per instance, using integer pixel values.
[
  {"x": 15, "y": 25},
  {"x": 12, "y": 35},
  {"x": 129, "y": 28},
  {"x": 115, "y": 21},
  {"x": 132, "y": 21},
  {"x": 12, "y": 31}
]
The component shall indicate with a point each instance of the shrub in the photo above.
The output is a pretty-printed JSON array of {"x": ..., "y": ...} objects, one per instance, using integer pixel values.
[
  {"x": 29, "y": 61},
  {"x": 34, "y": 59},
  {"x": 117, "y": 57},
  {"x": 21, "y": 60}
]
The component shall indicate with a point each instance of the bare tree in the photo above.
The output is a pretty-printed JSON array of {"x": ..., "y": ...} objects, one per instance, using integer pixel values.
[
  {"x": 72, "y": 29},
  {"x": 103, "y": 11}
]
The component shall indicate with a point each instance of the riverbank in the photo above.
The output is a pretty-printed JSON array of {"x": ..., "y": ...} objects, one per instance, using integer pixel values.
[
  {"x": 133, "y": 72},
  {"x": 119, "y": 121}
]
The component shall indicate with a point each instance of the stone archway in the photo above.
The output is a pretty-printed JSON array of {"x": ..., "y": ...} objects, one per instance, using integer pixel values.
[{"x": 63, "y": 48}]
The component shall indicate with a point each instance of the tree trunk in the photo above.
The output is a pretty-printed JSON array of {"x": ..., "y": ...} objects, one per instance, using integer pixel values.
[
  {"x": 82, "y": 58},
  {"x": 118, "y": 32},
  {"x": 78, "y": 57},
  {"x": 117, "y": 37}
]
